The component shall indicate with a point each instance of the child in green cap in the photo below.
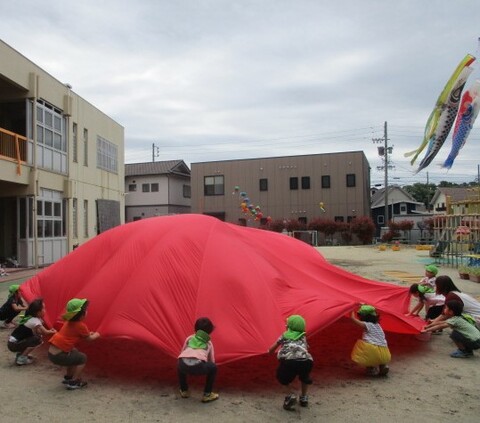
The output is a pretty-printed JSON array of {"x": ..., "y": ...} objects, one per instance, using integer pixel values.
[
  {"x": 197, "y": 357},
  {"x": 431, "y": 272},
  {"x": 62, "y": 349},
  {"x": 427, "y": 297},
  {"x": 372, "y": 350},
  {"x": 294, "y": 360},
  {"x": 12, "y": 307}
]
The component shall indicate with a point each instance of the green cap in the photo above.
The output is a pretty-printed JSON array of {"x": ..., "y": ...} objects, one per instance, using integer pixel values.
[
  {"x": 367, "y": 310},
  {"x": 74, "y": 306},
  {"x": 425, "y": 289},
  {"x": 432, "y": 269},
  {"x": 12, "y": 289},
  {"x": 296, "y": 323}
]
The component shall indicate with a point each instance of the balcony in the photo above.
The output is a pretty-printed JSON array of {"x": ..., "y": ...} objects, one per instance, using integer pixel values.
[{"x": 13, "y": 147}]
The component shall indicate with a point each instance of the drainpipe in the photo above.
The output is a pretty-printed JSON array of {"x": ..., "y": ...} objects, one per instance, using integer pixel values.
[{"x": 35, "y": 171}]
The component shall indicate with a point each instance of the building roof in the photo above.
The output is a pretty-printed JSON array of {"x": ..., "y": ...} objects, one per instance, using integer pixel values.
[
  {"x": 177, "y": 167},
  {"x": 401, "y": 196},
  {"x": 455, "y": 193}
]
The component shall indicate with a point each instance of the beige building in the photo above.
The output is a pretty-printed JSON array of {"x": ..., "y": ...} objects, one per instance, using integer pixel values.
[
  {"x": 334, "y": 186},
  {"x": 61, "y": 165},
  {"x": 156, "y": 189}
]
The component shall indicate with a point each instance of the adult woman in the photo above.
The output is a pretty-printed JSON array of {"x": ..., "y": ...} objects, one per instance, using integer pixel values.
[{"x": 446, "y": 287}]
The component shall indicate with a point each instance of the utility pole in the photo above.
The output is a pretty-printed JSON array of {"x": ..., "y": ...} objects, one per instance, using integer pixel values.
[
  {"x": 384, "y": 152},
  {"x": 155, "y": 152}
]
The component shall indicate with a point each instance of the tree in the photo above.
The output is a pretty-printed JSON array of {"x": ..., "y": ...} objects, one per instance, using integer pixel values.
[{"x": 422, "y": 193}]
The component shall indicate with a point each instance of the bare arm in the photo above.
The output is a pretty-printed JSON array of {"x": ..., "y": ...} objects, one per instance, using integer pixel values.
[
  {"x": 43, "y": 331},
  {"x": 435, "y": 326},
  {"x": 356, "y": 321},
  {"x": 417, "y": 309}
]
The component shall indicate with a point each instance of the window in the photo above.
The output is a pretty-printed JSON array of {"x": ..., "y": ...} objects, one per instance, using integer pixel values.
[
  {"x": 403, "y": 208},
  {"x": 263, "y": 184},
  {"x": 294, "y": 183},
  {"x": 339, "y": 219},
  {"x": 350, "y": 180},
  {"x": 305, "y": 182},
  {"x": 75, "y": 143},
  {"x": 145, "y": 187},
  {"x": 75, "y": 217},
  {"x": 326, "y": 181},
  {"x": 350, "y": 218},
  {"x": 85, "y": 146},
  {"x": 51, "y": 138},
  {"x": 213, "y": 185},
  {"x": 50, "y": 215},
  {"x": 381, "y": 219},
  {"x": 302, "y": 220},
  {"x": 85, "y": 218},
  {"x": 132, "y": 187},
  {"x": 187, "y": 191},
  {"x": 107, "y": 153},
  {"x": 154, "y": 187}
]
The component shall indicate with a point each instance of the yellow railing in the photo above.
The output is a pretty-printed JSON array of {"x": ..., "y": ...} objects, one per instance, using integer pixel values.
[{"x": 13, "y": 147}]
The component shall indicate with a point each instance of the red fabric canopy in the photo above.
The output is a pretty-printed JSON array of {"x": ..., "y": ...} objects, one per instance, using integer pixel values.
[{"x": 150, "y": 280}]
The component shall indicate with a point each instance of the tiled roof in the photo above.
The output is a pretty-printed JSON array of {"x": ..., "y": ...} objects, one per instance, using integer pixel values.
[{"x": 157, "y": 168}]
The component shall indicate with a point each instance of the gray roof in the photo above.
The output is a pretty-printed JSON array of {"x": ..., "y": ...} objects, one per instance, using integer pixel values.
[
  {"x": 455, "y": 193},
  {"x": 177, "y": 167},
  {"x": 378, "y": 198}
]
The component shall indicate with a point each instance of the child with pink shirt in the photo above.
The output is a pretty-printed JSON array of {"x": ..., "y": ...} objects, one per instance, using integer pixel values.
[{"x": 197, "y": 358}]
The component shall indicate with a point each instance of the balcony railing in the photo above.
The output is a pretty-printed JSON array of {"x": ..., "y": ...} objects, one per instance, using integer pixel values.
[{"x": 13, "y": 147}]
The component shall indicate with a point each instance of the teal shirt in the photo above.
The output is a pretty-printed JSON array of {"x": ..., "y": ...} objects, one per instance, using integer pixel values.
[{"x": 462, "y": 326}]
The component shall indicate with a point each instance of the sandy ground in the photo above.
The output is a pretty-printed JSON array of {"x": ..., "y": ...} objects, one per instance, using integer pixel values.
[{"x": 424, "y": 384}]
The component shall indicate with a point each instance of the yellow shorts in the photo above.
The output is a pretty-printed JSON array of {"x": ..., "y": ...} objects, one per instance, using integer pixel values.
[{"x": 369, "y": 355}]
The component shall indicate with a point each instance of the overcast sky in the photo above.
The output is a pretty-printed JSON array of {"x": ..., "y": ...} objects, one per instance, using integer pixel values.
[{"x": 209, "y": 80}]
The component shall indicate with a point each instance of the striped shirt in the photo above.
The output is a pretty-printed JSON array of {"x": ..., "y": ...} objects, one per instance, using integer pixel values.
[{"x": 373, "y": 334}]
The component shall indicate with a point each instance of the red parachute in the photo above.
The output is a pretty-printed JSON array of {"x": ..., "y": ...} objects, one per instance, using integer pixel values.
[{"x": 150, "y": 280}]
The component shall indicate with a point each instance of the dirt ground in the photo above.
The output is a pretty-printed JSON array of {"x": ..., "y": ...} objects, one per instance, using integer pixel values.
[{"x": 424, "y": 383}]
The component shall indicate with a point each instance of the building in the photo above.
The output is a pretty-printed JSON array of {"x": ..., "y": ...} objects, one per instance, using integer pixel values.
[
  {"x": 61, "y": 165},
  {"x": 445, "y": 196},
  {"x": 333, "y": 185},
  {"x": 401, "y": 206},
  {"x": 156, "y": 189}
]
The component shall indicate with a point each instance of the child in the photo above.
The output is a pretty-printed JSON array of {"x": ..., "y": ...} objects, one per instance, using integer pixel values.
[
  {"x": 294, "y": 360},
  {"x": 28, "y": 335},
  {"x": 426, "y": 297},
  {"x": 62, "y": 343},
  {"x": 464, "y": 334},
  {"x": 197, "y": 358},
  {"x": 372, "y": 350},
  {"x": 12, "y": 307},
  {"x": 430, "y": 275}
]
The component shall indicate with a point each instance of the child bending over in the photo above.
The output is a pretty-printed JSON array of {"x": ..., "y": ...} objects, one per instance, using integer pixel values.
[
  {"x": 426, "y": 297},
  {"x": 294, "y": 360},
  {"x": 372, "y": 350}
]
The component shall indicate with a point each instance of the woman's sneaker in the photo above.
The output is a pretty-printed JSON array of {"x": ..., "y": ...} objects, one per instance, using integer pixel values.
[
  {"x": 21, "y": 360},
  {"x": 212, "y": 396},
  {"x": 289, "y": 402},
  {"x": 76, "y": 384},
  {"x": 461, "y": 354},
  {"x": 303, "y": 401},
  {"x": 66, "y": 379}
]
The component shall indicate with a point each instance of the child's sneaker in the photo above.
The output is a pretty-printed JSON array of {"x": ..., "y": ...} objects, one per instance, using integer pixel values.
[
  {"x": 66, "y": 379},
  {"x": 303, "y": 401},
  {"x": 461, "y": 354},
  {"x": 289, "y": 402},
  {"x": 76, "y": 384},
  {"x": 184, "y": 394},
  {"x": 21, "y": 360},
  {"x": 383, "y": 371},
  {"x": 212, "y": 396},
  {"x": 371, "y": 371}
]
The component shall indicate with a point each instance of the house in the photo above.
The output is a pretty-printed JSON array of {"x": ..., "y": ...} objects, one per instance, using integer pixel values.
[
  {"x": 333, "y": 185},
  {"x": 61, "y": 165},
  {"x": 445, "y": 197},
  {"x": 156, "y": 189},
  {"x": 401, "y": 205}
]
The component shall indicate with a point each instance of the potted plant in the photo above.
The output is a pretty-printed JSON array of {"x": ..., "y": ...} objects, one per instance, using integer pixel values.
[
  {"x": 463, "y": 271},
  {"x": 474, "y": 273}
]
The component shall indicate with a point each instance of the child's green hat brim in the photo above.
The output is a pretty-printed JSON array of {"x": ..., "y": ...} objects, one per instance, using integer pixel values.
[{"x": 74, "y": 306}]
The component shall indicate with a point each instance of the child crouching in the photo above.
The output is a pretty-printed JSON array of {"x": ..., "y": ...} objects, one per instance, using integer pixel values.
[
  {"x": 372, "y": 350},
  {"x": 294, "y": 360}
]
